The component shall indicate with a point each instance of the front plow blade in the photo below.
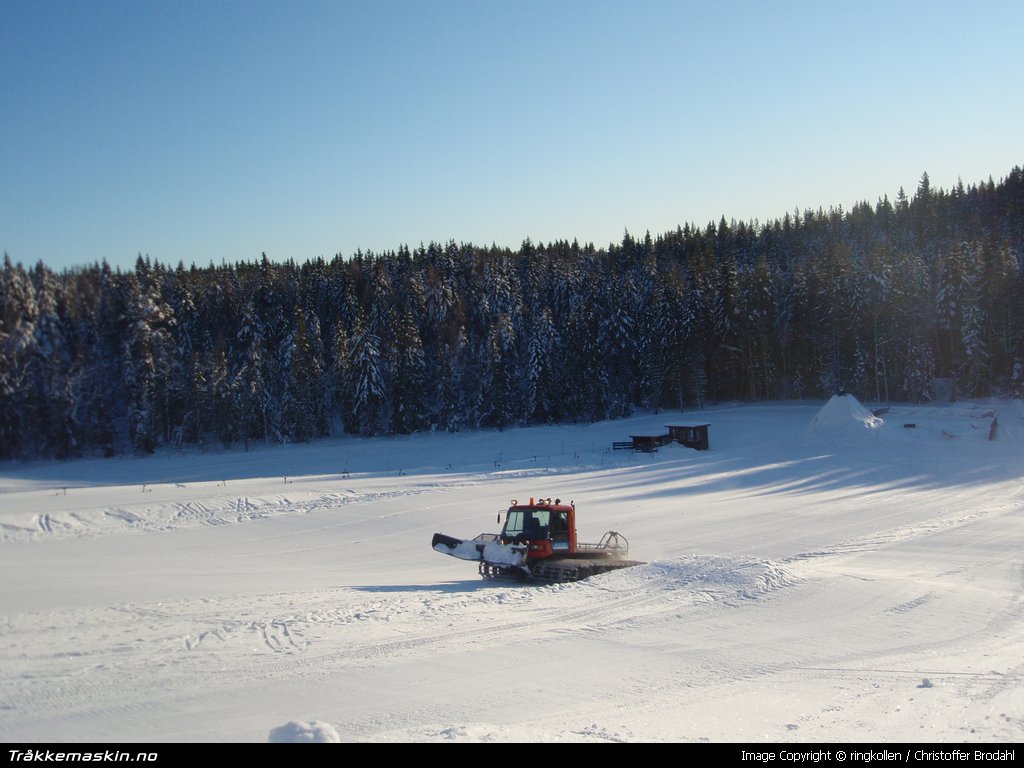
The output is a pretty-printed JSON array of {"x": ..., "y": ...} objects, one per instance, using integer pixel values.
[{"x": 485, "y": 548}]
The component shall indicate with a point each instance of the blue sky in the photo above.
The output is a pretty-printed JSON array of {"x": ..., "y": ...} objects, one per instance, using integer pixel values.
[{"x": 217, "y": 130}]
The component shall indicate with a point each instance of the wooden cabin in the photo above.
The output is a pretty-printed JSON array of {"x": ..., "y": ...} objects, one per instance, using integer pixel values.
[{"x": 690, "y": 435}]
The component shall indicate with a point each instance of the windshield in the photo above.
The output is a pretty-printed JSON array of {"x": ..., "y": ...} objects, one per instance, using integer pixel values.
[{"x": 526, "y": 522}]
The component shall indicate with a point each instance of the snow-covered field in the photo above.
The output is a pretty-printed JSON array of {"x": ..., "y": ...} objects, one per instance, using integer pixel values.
[{"x": 818, "y": 575}]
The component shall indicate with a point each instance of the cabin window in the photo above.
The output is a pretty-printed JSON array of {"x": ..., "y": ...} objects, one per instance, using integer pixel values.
[{"x": 529, "y": 523}]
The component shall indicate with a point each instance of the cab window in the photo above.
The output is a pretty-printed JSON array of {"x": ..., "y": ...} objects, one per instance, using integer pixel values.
[{"x": 529, "y": 523}]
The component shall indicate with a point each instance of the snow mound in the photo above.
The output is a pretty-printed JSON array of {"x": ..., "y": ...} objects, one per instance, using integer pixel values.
[
  {"x": 844, "y": 415},
  {"x": 312, "y": 732}
]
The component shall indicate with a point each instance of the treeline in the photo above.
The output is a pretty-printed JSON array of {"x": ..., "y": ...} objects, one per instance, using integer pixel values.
[{"x": 879, "y": 300}]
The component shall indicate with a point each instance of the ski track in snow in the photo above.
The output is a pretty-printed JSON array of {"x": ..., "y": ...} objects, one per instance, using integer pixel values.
[
  {"x": 172, "y": 515},
  {"x": 217, "y": 510},
  {"x": 127, "y": 639}
]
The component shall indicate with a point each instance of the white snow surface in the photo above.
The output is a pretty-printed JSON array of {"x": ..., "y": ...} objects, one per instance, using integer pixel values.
[{"x": 800, "y": 586}]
